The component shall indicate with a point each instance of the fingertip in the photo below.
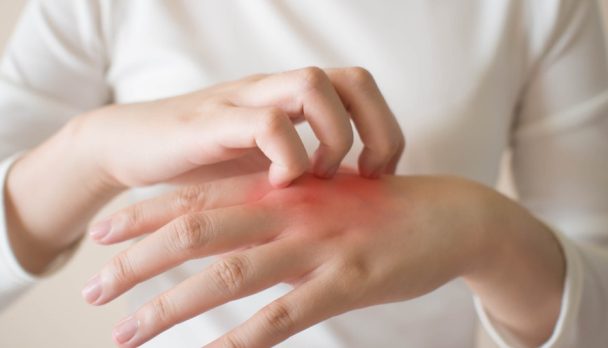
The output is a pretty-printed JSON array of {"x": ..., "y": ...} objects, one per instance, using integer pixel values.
[
  {"x": 322, "y": 167},
  {"x": 125, "y": 331},
  {"x": 92, "y": 290},
  {"x": 370, "y": 166},
  {"x": 370, "y": 172},
  {"x": 279, "y": 184},
  {"x": 373, "y": 175},
  {"x": 326, "y": 172},
  {"x": 100, "y": 230},
  {"x": 279, "y": 176}
]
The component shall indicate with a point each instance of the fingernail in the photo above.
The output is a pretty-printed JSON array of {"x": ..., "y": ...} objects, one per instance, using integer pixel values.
[
  {"x": 125, "y": 330},
  {"x": 92, "y": 290},
  {"x": 101, "y": 229}
]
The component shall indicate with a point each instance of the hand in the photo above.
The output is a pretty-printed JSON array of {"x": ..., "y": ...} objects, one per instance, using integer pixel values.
[
  {"x": 225, "y": 130},
  {"x": 236, "y": 127},
  {"x": 343, "y": 244}
]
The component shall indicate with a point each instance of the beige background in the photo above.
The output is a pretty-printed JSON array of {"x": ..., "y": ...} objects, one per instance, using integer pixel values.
[{"x": 52, "y": 314}]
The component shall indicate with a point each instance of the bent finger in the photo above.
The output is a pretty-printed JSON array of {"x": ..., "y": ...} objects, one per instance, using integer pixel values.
[
  {"x": 308, "y": 93},
  {"x": 266, "y": 128},
  {"x": 376, "y": 124}
]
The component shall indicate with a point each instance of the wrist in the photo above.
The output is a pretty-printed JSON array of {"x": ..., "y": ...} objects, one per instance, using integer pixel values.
[
  {"x": 493, "y": 245},
  {"x": 50, "y": 194},
  {"x": 519, "y": 270},
  {"x": 82, "y": 136}
]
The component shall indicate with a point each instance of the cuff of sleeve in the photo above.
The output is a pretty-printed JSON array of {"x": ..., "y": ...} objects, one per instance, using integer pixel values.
[{"x": 570, "y": 304}]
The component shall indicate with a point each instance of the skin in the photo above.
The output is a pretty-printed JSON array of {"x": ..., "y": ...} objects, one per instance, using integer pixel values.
[
  {"x": 225, "y": 130},
  {"x": 343, "y": 244},
  {"x": 508, "y": 258}
]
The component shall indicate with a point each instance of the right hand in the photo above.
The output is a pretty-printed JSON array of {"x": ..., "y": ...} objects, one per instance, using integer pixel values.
[
  {"x": 226, "y": 130},
  {"x": 237, "y": 127}
]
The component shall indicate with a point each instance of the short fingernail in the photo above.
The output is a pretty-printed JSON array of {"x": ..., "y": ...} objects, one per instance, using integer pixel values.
[
  {"x": 92, "y": 290},
  {"x": 125, "y": 330},
  {"x": 101, "y": 229}
]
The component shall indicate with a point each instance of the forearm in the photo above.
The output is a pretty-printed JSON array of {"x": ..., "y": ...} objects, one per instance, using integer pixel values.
[
  {"x": 50, "y": 195},
  {"x": 520, "y": 275}
]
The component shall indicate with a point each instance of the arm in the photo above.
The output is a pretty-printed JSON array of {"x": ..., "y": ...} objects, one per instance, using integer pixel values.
[
  {"x": 560, "y": 168},
  {"x": 244, "y": 126},
  {"x": 527, "y": 276},
  {"x": 32, "y": 108},
  {"x": 234, "y": 128}
]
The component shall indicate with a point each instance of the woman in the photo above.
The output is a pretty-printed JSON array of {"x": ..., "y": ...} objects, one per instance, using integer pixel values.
[{"x": 413, "y": 248}]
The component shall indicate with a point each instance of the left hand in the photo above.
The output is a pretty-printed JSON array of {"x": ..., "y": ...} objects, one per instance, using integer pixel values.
[{"x": 343, "y": 244}]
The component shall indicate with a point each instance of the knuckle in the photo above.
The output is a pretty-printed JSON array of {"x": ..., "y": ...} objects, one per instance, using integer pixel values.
[
  {"x": 160, "y": 309},
  {"x": 279, "y": 317},
  {"x": 357, "y": 269},
  {"x": 312, "y": 78},
  {"x": 344, "y": 142},
  {"x": 192, "y": 198},
  {"x": 129, "y": 218},
  {"x": 191, "y": 232},
  {"x": 385, "y": 148},
  {"x": 274, "y": 121},
  {"x": 340, "y": 146},
  {"x": 122, "y": 267},
  {"x": 229, "y": 274},
  {"x": 359, "y": 76},
  {"x": 352, "y": 270},
  {"x": 231, "y": 341}
]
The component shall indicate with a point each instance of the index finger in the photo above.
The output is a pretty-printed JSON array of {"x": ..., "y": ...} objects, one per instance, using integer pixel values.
[{"x": 151, "y": 214}]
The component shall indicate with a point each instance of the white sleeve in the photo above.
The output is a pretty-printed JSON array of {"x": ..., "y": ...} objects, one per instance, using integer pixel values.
[
  {"x": 53, "y": 69},
  {"x": 560, "y": 164}
]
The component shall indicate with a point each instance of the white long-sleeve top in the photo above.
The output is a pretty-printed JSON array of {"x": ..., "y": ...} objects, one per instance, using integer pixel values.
[{"x": 466, "y": 79}]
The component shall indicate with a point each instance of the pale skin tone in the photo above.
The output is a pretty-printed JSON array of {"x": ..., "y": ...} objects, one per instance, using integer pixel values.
[{"x": 277, "y": 225}]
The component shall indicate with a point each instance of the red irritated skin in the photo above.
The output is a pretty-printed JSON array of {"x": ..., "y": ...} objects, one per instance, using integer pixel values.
[{"x": 343, "y": 244}]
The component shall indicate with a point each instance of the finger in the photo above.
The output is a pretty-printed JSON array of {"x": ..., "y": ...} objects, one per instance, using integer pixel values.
[
  {"x": 190, "y": 236},
  {"x": 266, "y": 128},
  {"x": 253, "y": 161},
  {"x": 151, "y": 214},
  {"x": 228, "y": 279},
  {"x": 377, "y": 126},
  {"x": 308, "y": 93},
  {"x": 308, "y": 304}
]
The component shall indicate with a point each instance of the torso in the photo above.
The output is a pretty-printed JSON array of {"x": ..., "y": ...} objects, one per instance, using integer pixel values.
[{"x": 450, "y": 71}]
